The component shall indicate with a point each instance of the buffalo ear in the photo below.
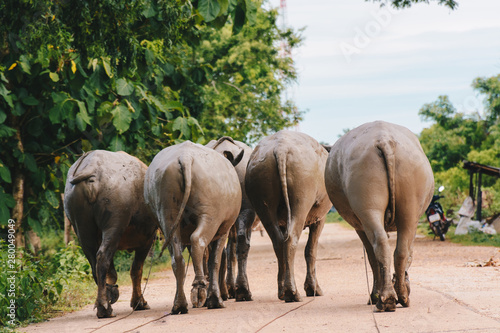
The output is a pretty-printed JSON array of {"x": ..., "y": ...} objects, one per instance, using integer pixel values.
[
  {"x": 327, "y": 147},
  {"x": 234, "y": 161}
]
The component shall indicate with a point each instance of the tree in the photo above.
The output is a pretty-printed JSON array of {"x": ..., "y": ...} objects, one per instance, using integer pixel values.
[
  {"x": 76, "y": 76},
  {"x": 452, "y": 4},
  {"x": 243, "y": 95},
  {"x": 455, "y": 137}
]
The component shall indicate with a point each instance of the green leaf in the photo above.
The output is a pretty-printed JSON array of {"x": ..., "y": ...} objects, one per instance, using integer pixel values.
[
  {"x": 3, "y": 116},
  {"x": 30, "y": 163},
  {"x": 251, "y": 12},
  {"x": 116, "y": 144},
  {"x": 6, "y": 202},
  {"x": 30, "y": 100},
  {"x": 6, "y": 95},
  {"x": 121, "y": 118},
  {"x": 5, "y": 173},
  {"x": 209, "y": 9},
  {"x": 55, "y": 114},
  {"x": 25, "y": 64},
  {"x": 107, "y": 67},
  {"x": 174, "y": 105},
  {"x": 238, "y": 18},
  {"x": 52, "y": 199},
  {"x": 83, "y": 112},
  {"x": 123, "y": 87},
  {"x": 6, "y": 131},
  {"x": 54, "y": 76},
  {"x": 181, "y": 124},
  {"x": 35, "y": 224}
]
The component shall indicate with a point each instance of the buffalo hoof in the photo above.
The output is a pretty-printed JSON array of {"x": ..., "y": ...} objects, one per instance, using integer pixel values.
[
  {"x": 103, "y": 312},
  {"x": 291, "y": 296},
  {"x": 214, "y": 302},
  {"x": 243, "y": 294},
  {"x": 311, "y": 291},
  {"x": 374, "y": 297},
  {"x": 112, "y": 292},
  {"x": 198, "y": 295},
  {"x": 388, "y": 305},
  {"x": 182, "y": 309},
  {"x": 405, "y": 301},
  {"x": 139, "y": 304},
  {"x": 231, "y": 292}
]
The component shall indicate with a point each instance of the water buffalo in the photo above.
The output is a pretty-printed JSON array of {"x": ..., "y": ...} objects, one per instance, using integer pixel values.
[
  {"x": 238, "y": 243},
  {"x": 380, "y": 180},
  {"x": 285, "y": 184},
  {"x": 195, "y": 195},
  {"x": 104, "y": 202}
]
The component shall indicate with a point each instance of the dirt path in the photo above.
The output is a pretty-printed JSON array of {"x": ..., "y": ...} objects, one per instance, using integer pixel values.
[{"x": 448, "y": 294}]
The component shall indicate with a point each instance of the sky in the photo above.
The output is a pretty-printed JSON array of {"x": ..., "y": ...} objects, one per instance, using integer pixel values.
[{"x": 361, "y": 62}]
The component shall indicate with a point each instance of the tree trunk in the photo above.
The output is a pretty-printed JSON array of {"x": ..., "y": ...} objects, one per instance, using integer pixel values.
[
  {"x": 67, "y": 225},
  {"x": 18, "y": 190},
  {"x": 17, "y": 211}
]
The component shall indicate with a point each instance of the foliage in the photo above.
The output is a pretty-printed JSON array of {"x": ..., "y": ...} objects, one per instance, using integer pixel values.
[
  {"x": 236, "y": 81},
  {"x": 92, "y": 75},
  {"x": 474, "y": 238},
  {"x": 455, "y": 137},
  {"x": 452, "y": 4},
  {"x": 39, "y": 281}
]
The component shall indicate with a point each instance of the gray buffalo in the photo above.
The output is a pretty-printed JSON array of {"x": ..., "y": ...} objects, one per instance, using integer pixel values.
[
  {"x": 285, "y": 184},
  {"x": 238, "y": 244},
  {"x": 104, "y": 202},
  {"x": 380, "y": 180},
  {"x": 195, "y": 195}
]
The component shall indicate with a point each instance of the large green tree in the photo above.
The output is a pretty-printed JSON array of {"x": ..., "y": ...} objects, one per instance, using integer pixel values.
[
  {"x": 454, "y": 137},
  {"x": 247, "y": 76},
  {"x": 81, "y": 75}
]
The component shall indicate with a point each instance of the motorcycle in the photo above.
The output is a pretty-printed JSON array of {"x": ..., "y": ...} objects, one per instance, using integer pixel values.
[{"x": 438, "y": 222}]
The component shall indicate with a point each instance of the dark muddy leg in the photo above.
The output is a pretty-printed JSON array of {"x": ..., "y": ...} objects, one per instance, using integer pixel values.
[
  {"x": 175, "y": 249},
  {"x": 105, "y": 254},
  {"x": 374, "y": 296},
  {"x": 198, "y": 249},
  {"x": 222, "y": 274},
  {"x": 111, "y": 286},
  {"x": 230, "y": 256},
  {"x": 311, "y": 285},
  {"x": 244, "y": 226},
  {"x": 274, "y": 232},
  {"x": 380, "y": 242},
  {"x": 214, "y": 300},
  {"x": 138, "y": 302},
  {"x": 402, "y": 260},
  {"x": 290, "y": 292}
]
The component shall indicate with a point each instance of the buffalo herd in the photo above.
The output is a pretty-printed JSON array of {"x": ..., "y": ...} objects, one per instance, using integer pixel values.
[{"x": 208, "y": 198}]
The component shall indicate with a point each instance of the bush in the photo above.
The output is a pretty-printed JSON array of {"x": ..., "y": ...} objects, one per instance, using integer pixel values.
[{"x": 35, "y": 284}]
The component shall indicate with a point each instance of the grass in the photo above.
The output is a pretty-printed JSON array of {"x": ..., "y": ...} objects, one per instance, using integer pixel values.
[
  {"x": 470, "y": 239},
  {"x": 334, "y": 217}
]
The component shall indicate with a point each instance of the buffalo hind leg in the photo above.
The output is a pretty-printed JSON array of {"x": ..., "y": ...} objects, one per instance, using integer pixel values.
[
  {"x": 105, "y": 254},
  {"x": 199, "y": 243},
  {"x": 274, "y": 232},
  {"x": 374, "y": 229},
  {"x": 244, "y": 230},
  {"x": 311, "y": 285},
  {"x": 111, "y": 287},
  {"x": 175, "y": 249},
  {"x": 214, "y": 299},
  {"x": 402, "y": 260},
  {"x": 374, "y": 296},
  {"x": 137, "y": 301}
]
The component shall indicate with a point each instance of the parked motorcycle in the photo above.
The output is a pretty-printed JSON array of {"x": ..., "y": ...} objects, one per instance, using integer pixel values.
[{"x": 438, "y": 222}]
